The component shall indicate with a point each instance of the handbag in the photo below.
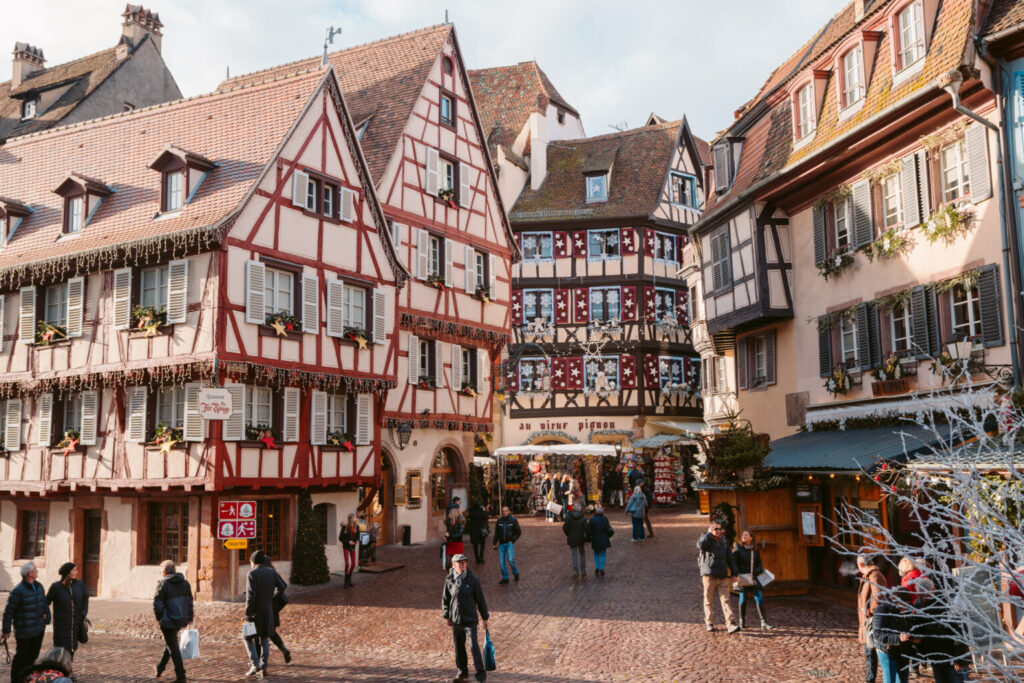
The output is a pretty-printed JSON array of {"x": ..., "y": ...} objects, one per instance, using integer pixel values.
[
  {"x": 248, "y": 629},
  {"x": 188, "y": 643},
  {"x": 82, "y": 630},
  {"x": 554, "y": 507},
  {"x": 747, "y": 580},
  {"x": 490, "y": 664}
]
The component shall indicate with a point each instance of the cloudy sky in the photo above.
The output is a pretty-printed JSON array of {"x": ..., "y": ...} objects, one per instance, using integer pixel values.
[{"x": 614, "y": 61}]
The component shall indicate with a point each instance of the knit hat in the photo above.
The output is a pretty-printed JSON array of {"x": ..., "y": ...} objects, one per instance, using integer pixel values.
[
  {"x": 65, "y": 569},
  {"x": 257, "y": 557}
]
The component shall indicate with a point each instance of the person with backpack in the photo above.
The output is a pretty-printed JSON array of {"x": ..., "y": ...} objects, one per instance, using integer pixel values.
[
  {"x": 174, "y": 610},
  {"x": 600, "y": 531},
  {"x": 506, "y": 533}
]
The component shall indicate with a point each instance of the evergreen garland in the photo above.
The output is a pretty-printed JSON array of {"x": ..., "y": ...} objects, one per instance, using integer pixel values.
[{"x": 309, "y": 561}]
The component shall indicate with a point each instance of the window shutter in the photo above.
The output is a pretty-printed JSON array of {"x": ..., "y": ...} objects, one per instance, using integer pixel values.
[
  {"x": 414, "y": 359},
  {"x": 439, "y": 363},
  {"x": 977, "y": 155},
  {"x": 430, "y": 169},
  {"x": 76, "y": 306},
  {"x": 741, "y": 364},
  {"x": 318, "y": 418},
  {"x": 290, "y": 424},
  {"x": 89, "y": 418},
  {"x": 721, "y": 162},
  {"x": 908, "y": 188},
  {"x": 122, "y": 298},
  {"x": 310, "y": 304},
  {"x": 769, "y": 357},
  {"x": 464, "y": 171},
  {"x": 347, "y": 210},
  {"x": 470, "y": 270},
  {"x": 300, "y": 183},
  {"x": 988, "y": 296},
  {"x": 177, "y": 291},
  {"x": 919, "y": 321},
  {"x": 456, "y": 367},
  {"x": 234, "y": 427},
  {"x": 396, "y": 234},
  {"x": 364, "y": 417},
  {"x": 12, "y": 425},
  {"x": 194, "y": 428},
  {"x": 335, "y": 308},
  {"x": 423, "y": 254},
  {"x": 138, "y": 397},
  {"x": 481, "y": 369},
  {"x": 863, "y": 230},
  {"x": 27, "y": 315},
  {"x": 824, "y": 347},
  {"x": 874, "y": 336},
  {"x": 492, "y": 275},
  {"x": 380, "y": 316},
  {"x": 820, "y": 247},
  {"x": 255, "y": 281},
  {"x": 449, "y": 263},
  {"x": 45, "y": 419},
  {"x": 934, "y": 334},
  {"x": 863, "y": 338},
  {"x": 923, "y": 194}
]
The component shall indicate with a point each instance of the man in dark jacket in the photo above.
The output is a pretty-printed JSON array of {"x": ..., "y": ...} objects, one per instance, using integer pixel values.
[
  {"x": 506, "y": 533},
  {"x": 173, "y": 608},
  {"x": 463, "y": 596},
  {"x": 613, "y": 486},
  {"x": 600, "y": 531},
  {"x": 259, "y": 609},
  {"x": 715, "y": 562},
  {"x": 575, "y": 530},
  {"x": 28, "y": 611}
]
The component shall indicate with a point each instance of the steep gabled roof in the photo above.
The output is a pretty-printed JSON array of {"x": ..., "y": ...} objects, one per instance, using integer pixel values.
[{"x": 1004, "y": 14}]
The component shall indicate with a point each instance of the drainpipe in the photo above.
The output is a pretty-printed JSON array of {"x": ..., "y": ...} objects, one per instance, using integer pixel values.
[{"x": 950, "y": 82}]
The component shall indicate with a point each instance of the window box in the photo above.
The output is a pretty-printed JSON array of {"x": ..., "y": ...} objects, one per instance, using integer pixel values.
[
  {"x": 677, "y": 389},
  {"x": 469, "y": 389},
  {"x": 834, "y": 265},
  {"x": 71, "y": 443},
  {"x": 260, "y": 436},
  {"x": 339, "y": 441},
  {"x": 948, "y": 223},
  {"x": 839, "y": 383},
  {"x": 534, "y": 395},
  {"x": 283, "y": 323},
  {"x": 165, "y": 438},
  {"x": 436, "y": 281},
  {"x": 148, "y": 318},
  {"x": 47, "y": 334},
  {"x": 356, "y": 335},
  {"x": 447, "y": 195},
  {"x": 600, "y": 393},
  {"x": 890, "y": 387},
  {"x": 668, "y": 324},
  {"x": 426, "y": 382},
  {"x": 483, "y": 293}
]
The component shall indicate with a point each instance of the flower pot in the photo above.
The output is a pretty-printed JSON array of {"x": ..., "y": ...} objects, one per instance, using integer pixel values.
[{"x": 888, "y": 387}]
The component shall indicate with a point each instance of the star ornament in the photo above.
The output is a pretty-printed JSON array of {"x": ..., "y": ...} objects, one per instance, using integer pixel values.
[
  {"x": 279, "y": 328},
  {"x": 72, "y": 444},
  {"x": 152, "y": 328},
  {"x": 360, "y": 342},
  {"x": 268, "y": 440},
  {"x": 168, "y": 446},
  {"x": 348, "y": 446}
]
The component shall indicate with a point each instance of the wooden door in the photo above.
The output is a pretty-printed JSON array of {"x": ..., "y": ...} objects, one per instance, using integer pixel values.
[
  {"x": 91, "y": 541},
  {"x": 380, "y": 508}
]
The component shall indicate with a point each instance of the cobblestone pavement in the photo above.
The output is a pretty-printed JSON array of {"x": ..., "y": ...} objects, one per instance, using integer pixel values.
[{"x": 641, "y": 622}]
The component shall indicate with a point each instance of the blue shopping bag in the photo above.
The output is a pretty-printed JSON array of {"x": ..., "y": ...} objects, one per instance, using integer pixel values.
[{"x": 489, "y": 663}]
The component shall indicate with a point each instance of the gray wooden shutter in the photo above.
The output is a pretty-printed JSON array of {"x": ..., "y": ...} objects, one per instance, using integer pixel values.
[
  {"x": 122, "y": 298},
  {"x": 12, "y": 425},
  {"x": 300, "y": 184},
  {"x": 874, "y": 336},
  {"x": 430, "y": 171},
  {"x": 233, "y": 428},
  {"x": 721, "y": 163},
  {"x": 290, "y": 421},
  {"x": 138, "y": 398},
  {"x": 335, "y": 307},
  {"x": 934, "y": 333},
  {"x": 909, "y": 192},
  {"x": 449, "y": 263},
  {"x": 492, "y": 275},
  {"x": 45, "y": 419},
  {"x": 423, "y": 254},
  {"x": 177, "y": 291},
  {"x": 27, "y": 315},
  {"x": 470, "y": 271},
  {"x": 414, "y": 359},
  {"x": 310, "y": 304},
  {"x": 194, "y": 428},
  {"x": 923, "y": 192},
  {"x": 820, "y": 246},
  {"x": 769, "y": 357},
  {"x": 255, "y": 296},
  {"x": 824, "y": 346},
  {"x": 364, "y": 419},
  {"x": 439, "y": 364},
  {"x": 456, "y": 367},
  {"x": 988, "y": 296},
  {"x": 76, "y": 306},
  {"x": 481, "y": 369},
  {"x": 863, "y": 230},
  {"x": 977, "y": 156},
  {"x": 318, "y": 418},
  {"x": 380, "y": 316},
  {"x": 919, "y": 321},
  {"x": 741, "y": 364},
  {"x": 863, "y": 338},
  {"x": 90, "y": 417},
  {"x": 464, "y": 192}
]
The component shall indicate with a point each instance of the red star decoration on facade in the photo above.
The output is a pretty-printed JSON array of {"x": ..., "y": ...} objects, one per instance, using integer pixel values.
[{"x": 268, "y": 440}]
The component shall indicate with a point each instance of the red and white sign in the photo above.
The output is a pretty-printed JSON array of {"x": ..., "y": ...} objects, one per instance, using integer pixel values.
[
  {"x": 215, "y": 404},
  {"x": 236, "y": 519}
]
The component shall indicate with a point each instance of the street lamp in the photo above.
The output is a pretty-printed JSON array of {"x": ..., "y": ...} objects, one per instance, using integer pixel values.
[
  {"x": 404, "y": 434},
  {"x": 960, "y": 350}
]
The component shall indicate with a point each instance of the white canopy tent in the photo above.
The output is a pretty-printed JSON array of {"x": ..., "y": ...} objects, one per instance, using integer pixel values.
[{"x": 602, "y": 450}]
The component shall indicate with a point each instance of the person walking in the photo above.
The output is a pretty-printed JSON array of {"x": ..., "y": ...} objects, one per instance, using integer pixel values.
[
  {"x": 872, "y": 583},
  {"x": 506, "y": 533},
  {"x": 556, "y": 495},
  {"x": 910, "y": 574},
  {"x": 649, "y": 495},
  {"x": 280, "y": 600},
  {"x": 938, "y": 642},
  {"x": 566, "y": 487},
  {"x": 349, "y": 538},
  {"x": 613, "y": 482},
  {"x": 547, "y": 496},
  {"x": 455, "y": 527},
  {"x": 575, "y": 530},
  {"x": 463, "y": 596},
  {"x": 70, "y": 604},
  {"x": 28, "y": 612},
  {"x": 53, "y": 666},
  {"x": 174, "y": 610},
  {"x": 636, "y": 508},
  {"x": 715, "y": 562},
  {"x": 478, "y": 529},
  {"x": 455, "y": 504},
  {"x": 600, "y": 531},
  {"x": 260, "y": 586},
  {"x": 891, "y": 631},
  {"x": 747, "y": 559}
]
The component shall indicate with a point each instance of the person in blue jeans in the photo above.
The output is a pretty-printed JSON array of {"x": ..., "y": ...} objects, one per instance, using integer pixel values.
[
  {"x": 635, "y": 508},
  {"x": 600, "y": 531},
  {"x": 891, "y": 630},
  {"x": 506, "y": 533}
]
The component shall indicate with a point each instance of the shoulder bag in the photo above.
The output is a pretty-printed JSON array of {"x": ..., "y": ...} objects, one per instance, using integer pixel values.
[{"x": 747, "y": 580}]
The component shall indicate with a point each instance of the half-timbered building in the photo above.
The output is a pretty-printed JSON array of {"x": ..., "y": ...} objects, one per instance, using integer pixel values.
[{"x": 229, "y": 240}]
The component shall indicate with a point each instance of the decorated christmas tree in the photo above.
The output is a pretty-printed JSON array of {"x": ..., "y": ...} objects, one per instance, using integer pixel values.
[{"x": 309, "y": 561}]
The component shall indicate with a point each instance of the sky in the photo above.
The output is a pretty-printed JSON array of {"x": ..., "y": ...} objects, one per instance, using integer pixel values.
[{"x": 615, "y": 62}]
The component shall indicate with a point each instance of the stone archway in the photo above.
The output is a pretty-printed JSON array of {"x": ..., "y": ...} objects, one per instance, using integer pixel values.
[
  {"x": 382, "y": 509},
  {"x": 447, "y": 475}
]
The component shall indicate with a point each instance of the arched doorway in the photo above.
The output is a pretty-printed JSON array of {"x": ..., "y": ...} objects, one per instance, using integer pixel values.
[
  {"x": 445, "y": 478},
  {"x": 382, "y": 509}
]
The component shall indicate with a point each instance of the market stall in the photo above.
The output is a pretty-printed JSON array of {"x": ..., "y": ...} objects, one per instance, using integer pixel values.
[
  {"x": 483, "y": 476},
  {"x": 666, "y": 457},
  {"x": 521, "y": 470}
]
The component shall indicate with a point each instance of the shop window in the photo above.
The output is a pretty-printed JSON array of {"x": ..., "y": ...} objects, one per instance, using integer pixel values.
[
  {"x": 536, "y": 245},
  {"x": 320, "y": 515},
  {"x": 33, "y": 534},
  {"x": 167, "y": 529}
]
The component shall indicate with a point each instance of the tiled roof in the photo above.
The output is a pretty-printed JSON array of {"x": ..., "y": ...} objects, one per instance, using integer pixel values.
[
  {"x": 639, "y": 160},
  {"x": 381, "y": 80},
  {"x": 1004, "y": 14},
  {"x": 507, "y": 95},
  {"x": 768, "y": 145},
  {"x": 239, "y": 130}
]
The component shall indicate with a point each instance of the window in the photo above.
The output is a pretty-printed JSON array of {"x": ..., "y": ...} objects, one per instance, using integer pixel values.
[
  {"x": 847, "y": 341},
  {"x": 892, "y": 201},
  {"x": 966, "y": 308},
  {"x": 328, "y": 199},
  {"x": 168, "y": 532},
  {"x": 534, "y": 374},
  {"x": 468, "y": 367},
  {"x": 665, "y": 302},
  {"x": 428, "y": 364},
  {"x": 170, "y": 407},
  {"x": 337, "y": 413},
  {"x": 561, "y": 117},
  {"x": 322, "y": 197},
  {"x": 597, "y": 188},
  {"x": 479, "y": 269},
  {"x": 259, "y": 402},
  {"x": 442, "y": 480},
  {"x": 73, "y": 412},
  {"x": 153, "y": 288},
  {"x": 447, "y": 170},
  {"x": 684, "y": 189},
  {"x": 323, "y": 526},
  {"x": 841, "y": 222},
  {"x": 56, "y": 303},
  {"x": 604, "y": 303},
  {"x": 536, "y": 245},
  {"x": 435, "y": 255},
  {"x": 721, "y": 255},
  {"x": 694, "y": 311},
  {"x": 28, "y": 109},
  {"x": 75, "y": 212},
  {"x": 447, "y": 109},
  {"x": 956, "y": 178},
  {"x": 853, "y": 77},
  {"x": 805, "y": 111},
  {"x": 312, "y": 190},
  {"x": 446, "y": 65},
  {"x": 900, "y": 326},
  {"x": 603, "y": 244},
  {"x": 174, "y": 190},
  {"x": 721, "y": 374},
  {"x": 538, "y": 303},
  {"x": 760, "y": 360},
  {"x": 279, "y": 292},
  {"x": 671, "y": 371},
  {"x": 713, "y": 377},
  {"x": 664, "y": 247},
  {"x": 269, "y": 520},
  {"x": 911, "y": 35},
  {"x": 33, "y": 534},
  {"x": 354, "y": 307},
  {"x": 601, "y": 373}
]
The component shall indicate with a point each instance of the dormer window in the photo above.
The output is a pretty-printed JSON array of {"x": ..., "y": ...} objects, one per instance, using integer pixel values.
[
  {"x": 174, "y": 190},
  {"x": 853, "y": 77},
  {"x": 74, "y": 212},
  {"x": 11, "y": 214},
  {"x": 910, "y": 36},
  {"x": 597, "y": 187},
  {"x": 82, "y": 197},
  {"x": 561, "y": 117},
  {"x": 181, "y": 172},
  {"x": 805, "y": 123},
  {"x": 28, "y": 109}
]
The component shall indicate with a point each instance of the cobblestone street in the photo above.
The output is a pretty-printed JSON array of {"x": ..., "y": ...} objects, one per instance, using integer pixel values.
[{"x": 642, "y": 622}]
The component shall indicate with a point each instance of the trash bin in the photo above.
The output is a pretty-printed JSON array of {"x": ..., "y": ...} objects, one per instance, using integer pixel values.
[{"x": 406, "y": 534}]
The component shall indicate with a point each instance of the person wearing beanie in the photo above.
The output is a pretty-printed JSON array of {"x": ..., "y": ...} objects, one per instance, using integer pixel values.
[
  {"x": 259, "y": 609},
  {"x": 70, "y": 604}
]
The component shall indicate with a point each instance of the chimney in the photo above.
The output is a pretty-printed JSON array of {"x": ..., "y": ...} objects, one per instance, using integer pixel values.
[
  {"x": 858, "y": 9},
  {"x": 140, "y": 22},
  {"x": 27, "y": 60}
]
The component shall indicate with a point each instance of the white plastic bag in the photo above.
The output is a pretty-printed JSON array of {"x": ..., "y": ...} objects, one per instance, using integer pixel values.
[
  {"x": 248, "y": 629},
  {"x": 188, "y": 643},
  {"x": 554, "y": 507},
  {"x": 765, "y": 577}
]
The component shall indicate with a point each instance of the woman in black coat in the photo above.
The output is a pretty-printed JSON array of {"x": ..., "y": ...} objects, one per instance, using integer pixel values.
[
  {"x": 70, "y": 603},
  {"x": 748, "y": 561},
  {"x": 939, "y": 642},
  {"x": 476, "y": 526},
  {"x": 600, "y": 531}
]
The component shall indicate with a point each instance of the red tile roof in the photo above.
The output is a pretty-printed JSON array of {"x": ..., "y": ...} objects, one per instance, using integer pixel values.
[{"x": 1004, "y": 14}]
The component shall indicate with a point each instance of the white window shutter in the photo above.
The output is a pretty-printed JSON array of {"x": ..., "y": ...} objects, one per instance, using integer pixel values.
[
  {"x": 300, "y": 183},
  {"x": 456, "y": 367},
  {"x": 335, "y": 308},
  {"x": 364, "y": 419},
  {"x": 423, "y": 254},
  {"x": 12, "y": 425},
  {"x": 449, "y": 263},
  {"x": 396, "y": 234},
  {"x": 430, "y": 170},
  {"x": 138, "y": 398},
  {"x": 481, "y": 369},
  {"x": 194, "y": 428},
  {"x": 27, "y": 315},
  {"x": 255, "y": 281},
  {"x": 414, "y": 359},
  {"x": 45, "y": 419},
  {"x": 76, "y": 306},
  {"x": 290, "y": 422},
  {"x": 90, "y": 417},
  {"x": 318, "y": 418},
  {"x": 310, "y": 304},
  {"x": 3, "y": 300},
  {"x": 977, "y": 159},
  {"x": 464, "y": 171},
  {"x": 348, "y": 205},
  {"x": 439, "y": 363},
  {"x": 177, "y": 291},
  {"x": 492, "y": 275},
  {"x": 470, "y": 270},
  {"x": 234, "y": 427},
  {"x": 122, "y": 298},
  {"x": 380, "y": 316}
]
